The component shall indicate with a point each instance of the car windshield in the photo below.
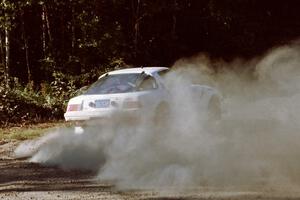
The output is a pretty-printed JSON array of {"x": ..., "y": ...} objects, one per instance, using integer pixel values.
[{"x": 115, "y": 83}]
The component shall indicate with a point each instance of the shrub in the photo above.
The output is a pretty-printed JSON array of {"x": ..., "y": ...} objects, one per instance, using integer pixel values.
[{"x": 46, "y": 101}]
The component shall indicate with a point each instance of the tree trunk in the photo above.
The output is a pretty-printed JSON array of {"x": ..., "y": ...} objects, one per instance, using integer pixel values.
[
  {"x": 73, "y": 30},
  {"x": 6, "y": 44},
  {"x": 46, "y": 18},
  {"x": 44, "y": 32},
  {"x": 136, "y": 18},
  {"x": 25, "y": 39},
  {"x": 62, "y": 29},
  {"x": 2, "y": 59}
]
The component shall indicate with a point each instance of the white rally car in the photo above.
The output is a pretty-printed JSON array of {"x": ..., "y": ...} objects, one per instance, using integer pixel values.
[{"x": 130, "y": 92}]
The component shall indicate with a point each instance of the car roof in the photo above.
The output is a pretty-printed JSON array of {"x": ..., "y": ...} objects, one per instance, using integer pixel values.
[{"x": 147, "y": 70}]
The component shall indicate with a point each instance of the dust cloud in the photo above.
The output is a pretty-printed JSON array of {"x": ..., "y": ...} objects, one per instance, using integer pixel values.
[{"x": 256, "y": 141}]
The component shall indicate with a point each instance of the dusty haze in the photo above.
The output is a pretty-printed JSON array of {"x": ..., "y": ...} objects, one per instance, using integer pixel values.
[{"x": 256, "y": 143}]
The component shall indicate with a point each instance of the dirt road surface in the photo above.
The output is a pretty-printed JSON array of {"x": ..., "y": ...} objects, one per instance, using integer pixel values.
[{"x": 20, "y": 179}]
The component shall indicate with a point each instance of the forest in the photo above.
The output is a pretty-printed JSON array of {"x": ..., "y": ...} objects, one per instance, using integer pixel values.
[{"x": 49, "y": 49}]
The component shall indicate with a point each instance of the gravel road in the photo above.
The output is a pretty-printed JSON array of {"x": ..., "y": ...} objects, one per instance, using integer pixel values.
[{"x": 20, "y": 179}]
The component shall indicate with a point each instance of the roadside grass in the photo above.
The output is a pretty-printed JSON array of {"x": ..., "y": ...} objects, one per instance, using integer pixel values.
[{"x": 29, "y": 131}]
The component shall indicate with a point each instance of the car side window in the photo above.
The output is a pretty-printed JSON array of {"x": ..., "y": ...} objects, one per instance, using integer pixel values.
[{"x": 148, "y": 83}]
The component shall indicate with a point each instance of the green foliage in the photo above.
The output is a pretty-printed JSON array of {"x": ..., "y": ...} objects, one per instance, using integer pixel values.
[
  {"x": 55, "y": 47},
  {"x": 31, "y": 103},
  {"x": 63, "y": 87},
  {"x": 20, "y": 104}
]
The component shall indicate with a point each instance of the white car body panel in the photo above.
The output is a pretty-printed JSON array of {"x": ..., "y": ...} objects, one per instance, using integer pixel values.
[{"x": 148, "y": 99}]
